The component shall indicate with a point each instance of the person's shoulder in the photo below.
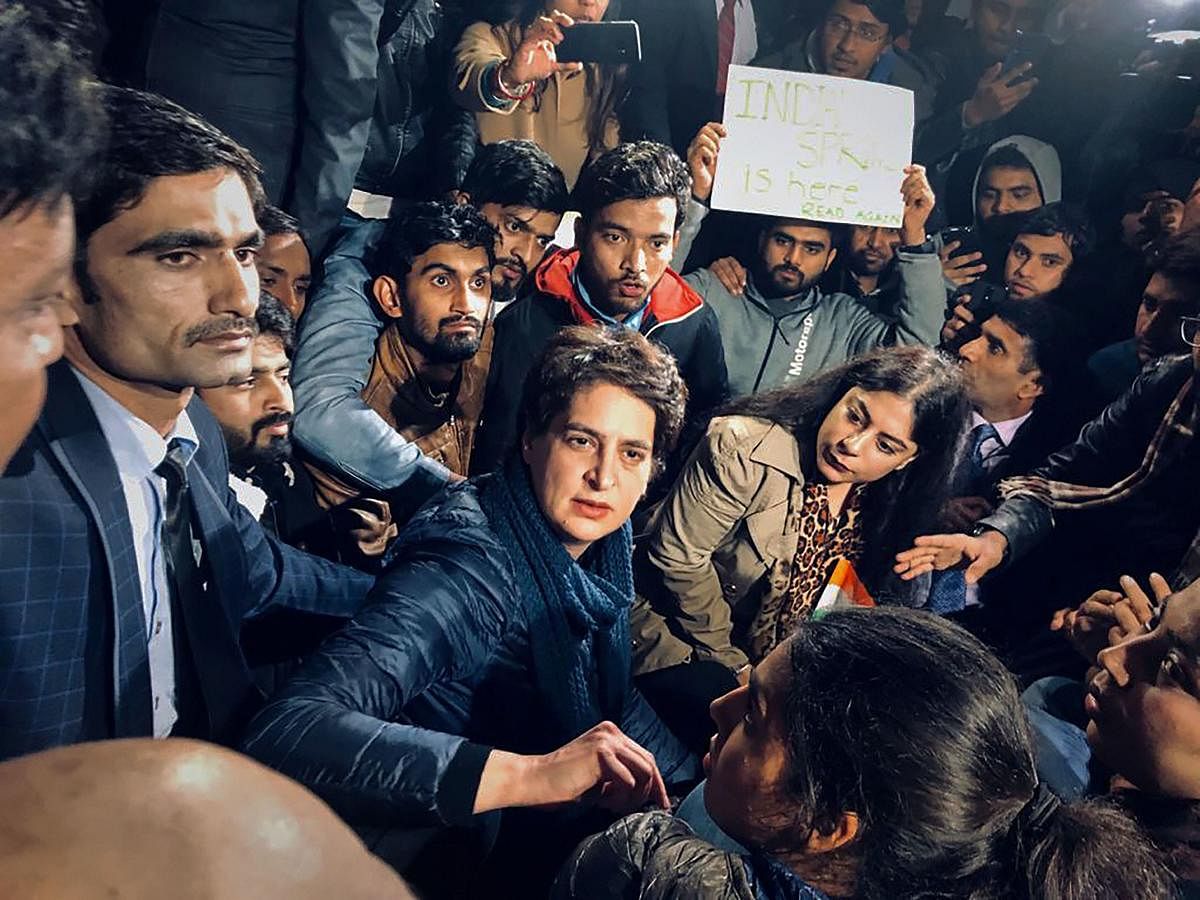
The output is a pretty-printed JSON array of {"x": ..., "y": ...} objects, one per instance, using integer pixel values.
[
  {"x": 736, "y": 435},
  {"x": 1167, "y": 373},
  {"x": 454, "y": 512},
  {"x": 658, "y": 848}
]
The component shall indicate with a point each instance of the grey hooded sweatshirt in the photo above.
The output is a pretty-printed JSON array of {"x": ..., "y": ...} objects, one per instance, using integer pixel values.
[
  {"x": 770, "y": 342},
  {"x": 1043, "y": 158}
]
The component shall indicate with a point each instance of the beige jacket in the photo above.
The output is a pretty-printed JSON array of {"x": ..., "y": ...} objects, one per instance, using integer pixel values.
[
  {"x": 556, "y": 121},
  {"x": 711, "y": 544}
]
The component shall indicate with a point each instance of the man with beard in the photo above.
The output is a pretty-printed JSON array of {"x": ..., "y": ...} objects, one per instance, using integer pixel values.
[
  {"x": 523, "y": 195},
  {"x": 782, "y": 326},
  {"x": 431, "y": 361},
  {"x": 867, "y": 269},
  {"x": 255, "y": 415}
]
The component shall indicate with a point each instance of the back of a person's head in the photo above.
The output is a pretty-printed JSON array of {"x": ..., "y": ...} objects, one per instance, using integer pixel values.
[
  {"x": 911, "y": 723},
  {"x": 143, "y": 820},
  {"x": 274, "y": 321},
  {"x": 152, "y": 137},
  {"x": 642, "y": 170},
  {"x": 516, "y": 173},
  {"x": 1062, "y": 219},
  {"x": 423, "y": 225},
  {"x": 50, "y": 117}
]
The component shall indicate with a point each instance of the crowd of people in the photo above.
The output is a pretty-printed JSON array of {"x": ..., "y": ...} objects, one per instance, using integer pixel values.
[{"x": 413, "y": 486}]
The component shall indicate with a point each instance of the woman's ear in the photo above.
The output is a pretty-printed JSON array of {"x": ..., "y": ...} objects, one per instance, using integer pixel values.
[
  {"x": 843, "y": 831},
  {"x": 387, "y": 295}
]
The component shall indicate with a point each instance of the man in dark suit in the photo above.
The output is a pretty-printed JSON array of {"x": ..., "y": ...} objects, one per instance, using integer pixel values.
[
  {"x": 126, "y": 563},
  {"x": 1022, "y": 378},
  {"x": 687, "y": 48},
  {"x": 1013, "y": 371}
]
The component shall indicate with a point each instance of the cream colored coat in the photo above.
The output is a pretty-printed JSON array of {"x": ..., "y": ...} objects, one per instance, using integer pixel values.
[
  {"x": 557, "y": 121},
  {"x": 711, "y": 544}
]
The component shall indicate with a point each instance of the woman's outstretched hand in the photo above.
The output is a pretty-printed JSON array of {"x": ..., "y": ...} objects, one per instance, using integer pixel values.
[{"x": 946, "y": 551}]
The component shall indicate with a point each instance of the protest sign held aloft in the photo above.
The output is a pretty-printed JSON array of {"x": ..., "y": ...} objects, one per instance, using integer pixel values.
[{"x": 814, "y": 147}]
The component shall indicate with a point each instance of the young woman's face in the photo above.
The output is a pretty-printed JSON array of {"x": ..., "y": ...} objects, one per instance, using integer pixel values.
[
  {"x": 865, "y": 437},
  {"x": 747, "y": 762},
  {"x": 592, "y": 465}
]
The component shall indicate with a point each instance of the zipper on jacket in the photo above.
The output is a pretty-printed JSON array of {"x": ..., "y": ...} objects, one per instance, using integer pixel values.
[{"x": 766, "y": 356}]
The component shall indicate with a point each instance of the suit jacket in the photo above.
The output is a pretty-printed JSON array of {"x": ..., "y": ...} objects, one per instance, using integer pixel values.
[
  {"x": 674, "y": 86},
  {"x": 73, "y": 661}
]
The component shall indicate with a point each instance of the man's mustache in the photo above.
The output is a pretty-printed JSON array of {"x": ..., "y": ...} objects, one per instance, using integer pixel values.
[
  {"x": 279, "y": 418},
  {"x": 458, "y": 320},
  {"x": 514, "y": 262},
  {"x": 216, "y": 328}
]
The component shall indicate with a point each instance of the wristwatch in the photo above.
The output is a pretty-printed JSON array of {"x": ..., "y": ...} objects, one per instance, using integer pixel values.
[{"x": 981, "y": 529}]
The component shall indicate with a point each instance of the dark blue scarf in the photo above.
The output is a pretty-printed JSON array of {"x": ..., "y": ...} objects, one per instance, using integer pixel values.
[{"x": 578, "y": 618}]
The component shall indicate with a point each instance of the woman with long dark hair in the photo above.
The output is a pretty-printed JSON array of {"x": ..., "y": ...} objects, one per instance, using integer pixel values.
[
  {"x": 785, "y": 486},
  {"x": 878, "y": 754},
  {"x": 508, "y": 75}
]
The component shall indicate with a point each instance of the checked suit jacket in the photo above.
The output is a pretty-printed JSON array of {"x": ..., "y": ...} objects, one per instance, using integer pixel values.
[{"x": 73, "y": 659}]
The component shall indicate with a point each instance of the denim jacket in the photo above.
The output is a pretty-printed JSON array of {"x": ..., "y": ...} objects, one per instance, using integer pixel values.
[{"x": 332, "y": 362}]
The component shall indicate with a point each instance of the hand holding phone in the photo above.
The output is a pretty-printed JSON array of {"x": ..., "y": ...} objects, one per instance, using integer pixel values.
[
  {"x": 1028, "y": 52},
  {"x": 536, "y": 57},
  {"x": 607, "y": 43},
  {"x": 998, "y": 93},
  {"x": 962, "y": 258}
]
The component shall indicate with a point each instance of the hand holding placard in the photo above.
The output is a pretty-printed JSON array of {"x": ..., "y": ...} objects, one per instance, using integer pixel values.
[
  {"x": 702, "y": 159},
  {"x": 814, "y": 147},
  {"x": 918, "y": 205}
]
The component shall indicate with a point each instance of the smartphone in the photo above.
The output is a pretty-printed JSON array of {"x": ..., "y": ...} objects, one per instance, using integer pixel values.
[
  {"x": 967, "y": 240},
  {"x": 1029, "y": 48},
  {"x": 612, "y": 43}
]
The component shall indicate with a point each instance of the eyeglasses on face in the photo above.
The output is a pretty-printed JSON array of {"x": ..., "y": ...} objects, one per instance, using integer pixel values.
[{"x": 840, "y": 26}]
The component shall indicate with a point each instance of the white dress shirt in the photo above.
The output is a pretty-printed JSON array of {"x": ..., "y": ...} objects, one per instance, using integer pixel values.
[
  {"x": 745, "y": 32},
  {"x": 993, "y": 450},
  {"x": 138, "y": 450}
]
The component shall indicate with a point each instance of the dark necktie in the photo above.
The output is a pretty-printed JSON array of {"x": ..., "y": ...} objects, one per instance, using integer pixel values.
[
  {"x": 981, "y": 465},
  {"x": 725, "y": 35},
  {"x": 211, "y": 684}
]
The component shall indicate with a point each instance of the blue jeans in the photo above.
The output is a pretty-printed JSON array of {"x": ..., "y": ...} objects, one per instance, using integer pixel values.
[{"x": 1063, "y": 756}]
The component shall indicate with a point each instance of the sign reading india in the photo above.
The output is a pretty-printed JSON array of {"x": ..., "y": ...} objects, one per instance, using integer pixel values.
[{"x": 814, "y": 147}]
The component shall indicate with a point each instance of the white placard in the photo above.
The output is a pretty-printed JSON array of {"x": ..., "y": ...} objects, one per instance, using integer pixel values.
[{"x": 814, "y": 147}]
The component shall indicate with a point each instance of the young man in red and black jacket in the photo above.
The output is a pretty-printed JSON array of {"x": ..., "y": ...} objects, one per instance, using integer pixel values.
[{"x": 632, "y": 202}]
